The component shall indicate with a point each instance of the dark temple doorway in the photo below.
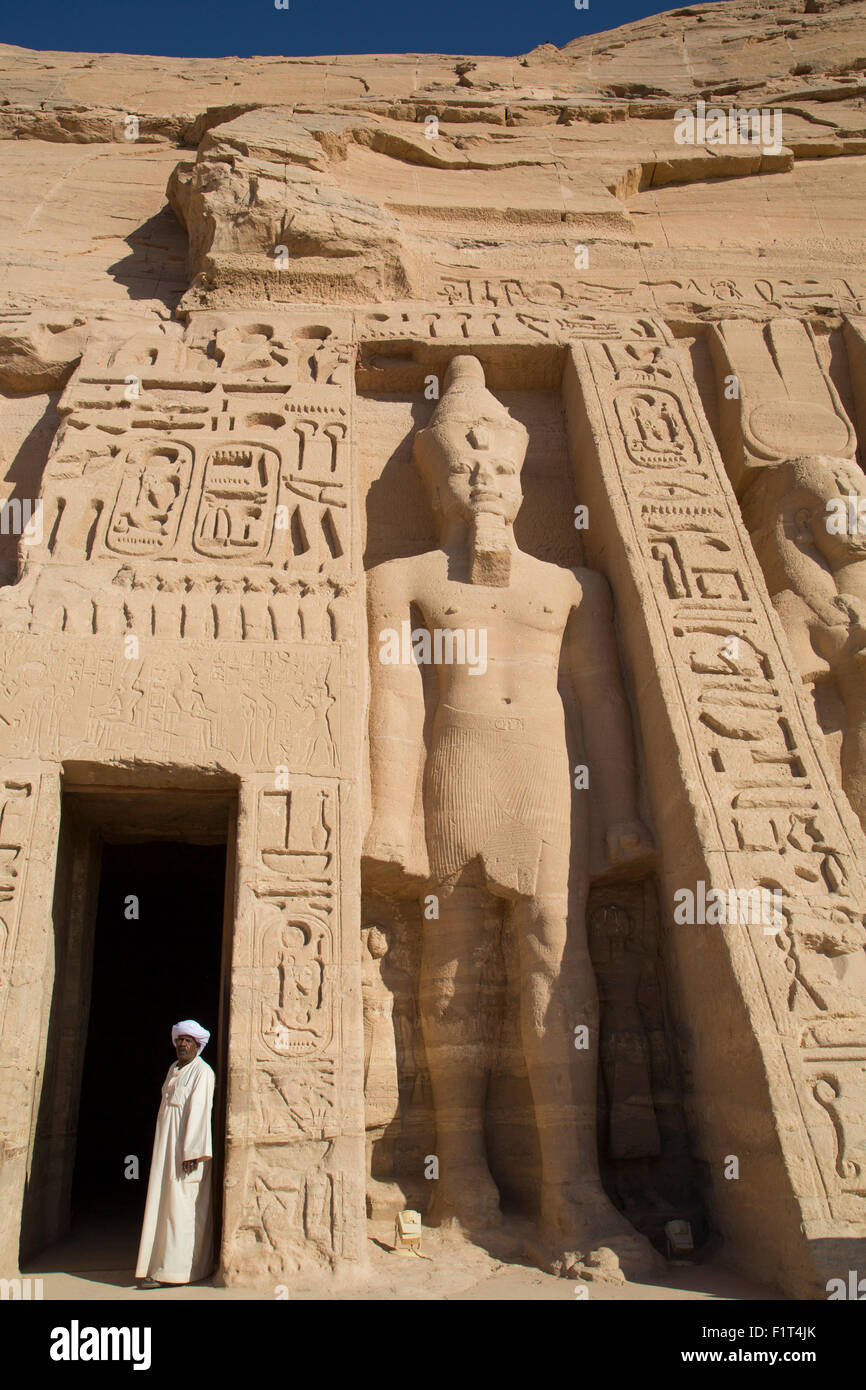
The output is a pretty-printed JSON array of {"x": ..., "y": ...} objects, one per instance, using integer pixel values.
[
  {"x": 141, "y": 919},
  {"x": 148, "y": 972}
]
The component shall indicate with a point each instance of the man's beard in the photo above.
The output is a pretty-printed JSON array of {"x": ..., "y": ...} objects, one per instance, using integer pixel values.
[{"x": 491, "y": 557}]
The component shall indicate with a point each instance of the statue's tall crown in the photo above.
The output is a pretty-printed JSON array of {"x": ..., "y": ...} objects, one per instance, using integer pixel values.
[{"x": 466, "y": 393}]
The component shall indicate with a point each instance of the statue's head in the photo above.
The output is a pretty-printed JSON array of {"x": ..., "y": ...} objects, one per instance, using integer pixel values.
[
  {"x": 805, "y": 504},
  {"x": 377, "y": 943},
  {"x": 471, "y": 453}
]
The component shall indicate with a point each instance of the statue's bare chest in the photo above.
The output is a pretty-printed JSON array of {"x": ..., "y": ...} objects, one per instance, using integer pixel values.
[{"x": 517, "y": 612}]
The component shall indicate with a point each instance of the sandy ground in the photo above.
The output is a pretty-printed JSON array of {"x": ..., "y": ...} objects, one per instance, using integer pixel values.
[{"x": 97, "y": 1262}]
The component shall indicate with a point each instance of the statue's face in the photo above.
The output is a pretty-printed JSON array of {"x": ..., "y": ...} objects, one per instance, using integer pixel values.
[
  {"x": 829, "y": 515},
  {"x": 475, "y": 467},
  {"x": 377, "y": 943}
]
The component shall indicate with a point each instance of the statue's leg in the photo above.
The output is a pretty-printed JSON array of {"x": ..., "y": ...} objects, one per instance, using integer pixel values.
[
  {"x": 457, "y": 1037},
  {"x": 560, "y": 1029},
  {"x": 561, "y": 1074}
]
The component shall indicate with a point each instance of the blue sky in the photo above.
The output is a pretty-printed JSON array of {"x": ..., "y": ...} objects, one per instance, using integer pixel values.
[{"x": 191, "y": 28}]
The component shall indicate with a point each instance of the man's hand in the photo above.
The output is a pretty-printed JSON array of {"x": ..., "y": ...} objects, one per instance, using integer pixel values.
[
  {"x": 189, "y": 1166},
  {"x": 853, "y": 608},
  {"x": 629, "y": 842}
]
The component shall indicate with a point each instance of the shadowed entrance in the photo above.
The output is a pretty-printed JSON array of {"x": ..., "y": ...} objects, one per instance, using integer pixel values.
[
  {"x": 148, "y": 972},
  {"x": 140, "y": 943}
]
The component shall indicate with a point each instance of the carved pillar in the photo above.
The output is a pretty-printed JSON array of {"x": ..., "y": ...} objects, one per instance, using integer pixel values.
[
  {"x": 294, "y": 1191},
  {"x": 29, "y": 827},
  {"x": 294, "y": 1187},
  {"x": 743, "y": 798}
]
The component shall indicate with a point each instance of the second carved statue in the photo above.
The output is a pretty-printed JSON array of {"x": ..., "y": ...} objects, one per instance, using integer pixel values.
[{"x": 481, "y": 818}]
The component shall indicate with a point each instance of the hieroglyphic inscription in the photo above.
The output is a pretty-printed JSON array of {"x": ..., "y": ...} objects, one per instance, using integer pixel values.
[
  {"x": 228, "y": 442},
  {"x": 702, "y": 295},
  {"x": 16, "y": 812},
  {"x": 292, "y": 1188},
  {"x": 769, "y": 795},
  {"x": 292, "y": 1217}
]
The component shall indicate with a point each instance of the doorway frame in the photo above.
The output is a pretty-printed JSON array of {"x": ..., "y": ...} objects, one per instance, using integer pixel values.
[{"x": 134, "y": 796}]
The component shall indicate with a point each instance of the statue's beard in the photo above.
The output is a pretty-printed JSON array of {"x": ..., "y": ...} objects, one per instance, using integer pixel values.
[{"x": 490, "y": 561}]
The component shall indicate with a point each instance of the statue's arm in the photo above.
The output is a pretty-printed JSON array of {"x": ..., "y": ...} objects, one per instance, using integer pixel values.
[
  {"x": 596, "y": 676},
  {"x": 395, "y": 728}
]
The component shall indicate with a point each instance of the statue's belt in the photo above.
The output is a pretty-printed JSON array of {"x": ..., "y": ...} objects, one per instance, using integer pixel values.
[{"x": 517, "y": 727}]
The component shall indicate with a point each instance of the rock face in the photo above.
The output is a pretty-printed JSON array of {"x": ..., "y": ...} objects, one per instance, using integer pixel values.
[
  {"x": 263, "y": 183},
  {"x": 546, "y": 372}
]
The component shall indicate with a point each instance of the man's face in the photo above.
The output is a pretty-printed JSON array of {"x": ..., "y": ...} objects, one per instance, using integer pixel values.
[
  {"x": 478, "y": 468},
  {"x": 186, "y": 1048}
]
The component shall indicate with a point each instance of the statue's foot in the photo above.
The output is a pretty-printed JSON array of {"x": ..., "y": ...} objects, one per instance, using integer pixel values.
[
  {"x": 384, "y": 1199},
  {"x": 583, "y": 1236},
  {"x": 470, "y": 1204}
]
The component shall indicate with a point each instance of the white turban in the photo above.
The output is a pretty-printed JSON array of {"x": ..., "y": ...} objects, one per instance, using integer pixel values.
[{"x": 190, "y": 1029}]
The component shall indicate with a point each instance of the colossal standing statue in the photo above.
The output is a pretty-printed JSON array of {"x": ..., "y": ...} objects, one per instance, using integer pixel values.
[{"x": 498, "y": 819}]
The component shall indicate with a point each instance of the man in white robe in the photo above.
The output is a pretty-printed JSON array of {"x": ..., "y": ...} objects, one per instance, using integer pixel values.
[{"x": 177, "y": 1234}]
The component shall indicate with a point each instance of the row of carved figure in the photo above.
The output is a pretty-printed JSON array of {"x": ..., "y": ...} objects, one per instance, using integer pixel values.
[{"x": 248, "y": 608}]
